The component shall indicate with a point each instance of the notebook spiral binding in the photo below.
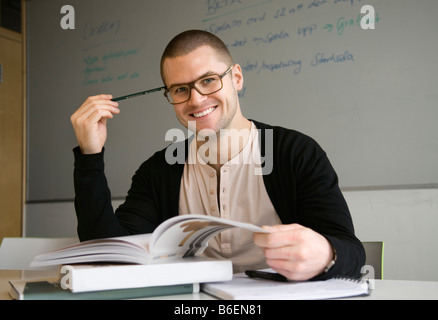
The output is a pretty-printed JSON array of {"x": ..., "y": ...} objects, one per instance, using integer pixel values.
[{"x": 351, "y": 279}]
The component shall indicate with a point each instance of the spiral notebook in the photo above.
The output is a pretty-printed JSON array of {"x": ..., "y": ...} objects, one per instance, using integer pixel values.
[{"x": 244, "y": 288}]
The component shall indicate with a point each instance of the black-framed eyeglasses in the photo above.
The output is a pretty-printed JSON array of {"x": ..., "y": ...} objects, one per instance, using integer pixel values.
[{"x": 181, "y": 93}]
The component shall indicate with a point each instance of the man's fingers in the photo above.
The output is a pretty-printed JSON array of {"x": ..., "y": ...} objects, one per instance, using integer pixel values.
[
  {"x": 100, "y": 115},
  {"x": 283, "y": 227},
  {"x": 89, "y": 122},
  {"x": 295, "y": 272},
  {"x": 100, "y": 97},
  {"x": 280, "y": 236},
  {"x": 92, "y": 108},
  {"x": 293, "y": 253}
]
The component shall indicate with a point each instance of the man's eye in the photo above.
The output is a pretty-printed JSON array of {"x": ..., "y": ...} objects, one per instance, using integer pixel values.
[
  {"x": 209, "y": 82},
  {"x": 179, "y": 90}
]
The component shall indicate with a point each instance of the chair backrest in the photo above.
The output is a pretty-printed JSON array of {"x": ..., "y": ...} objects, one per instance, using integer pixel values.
[{"x": 374, "y": 257}]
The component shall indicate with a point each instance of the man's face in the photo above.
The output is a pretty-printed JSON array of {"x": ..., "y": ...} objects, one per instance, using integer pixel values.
[{"x": 216, "y": 111}]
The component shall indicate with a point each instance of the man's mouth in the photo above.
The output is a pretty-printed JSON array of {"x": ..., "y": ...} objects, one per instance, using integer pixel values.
[{"x": 204, "y": 113}]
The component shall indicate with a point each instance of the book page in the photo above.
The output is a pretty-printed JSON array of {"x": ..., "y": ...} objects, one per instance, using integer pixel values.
[
  {"x": 128, "y": 249},
  {"x": 180, "y": 236},
  {"x": 188, "y": 235}
]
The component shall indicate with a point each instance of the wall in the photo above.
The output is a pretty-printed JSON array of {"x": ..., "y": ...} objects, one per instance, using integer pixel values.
[{"x": 405, "y": 220}]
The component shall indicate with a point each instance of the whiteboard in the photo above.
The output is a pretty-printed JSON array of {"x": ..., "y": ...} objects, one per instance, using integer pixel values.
[{"x": 369, "y": 97}]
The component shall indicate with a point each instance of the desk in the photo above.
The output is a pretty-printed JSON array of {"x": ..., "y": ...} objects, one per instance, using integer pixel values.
[
  {"x": 402, "y": 290},
  {"x": 384, "y": 289}
]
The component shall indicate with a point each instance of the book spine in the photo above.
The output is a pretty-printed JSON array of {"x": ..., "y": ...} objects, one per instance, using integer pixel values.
[
  {"x": 50, "y": 291},
  {"x": 97, "y": 278}
]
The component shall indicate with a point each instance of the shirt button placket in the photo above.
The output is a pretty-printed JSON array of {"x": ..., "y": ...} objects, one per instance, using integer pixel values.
[
  {"x": 213, "y": 195},
  {"x": 224, "y": 193},
  {"x": 225, "y": 213}
]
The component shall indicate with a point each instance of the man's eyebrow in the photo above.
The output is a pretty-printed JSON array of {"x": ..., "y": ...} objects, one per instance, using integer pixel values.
[{"x": 208, "y": 73}]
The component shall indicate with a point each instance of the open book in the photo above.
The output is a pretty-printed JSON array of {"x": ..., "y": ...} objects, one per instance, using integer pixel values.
[{"x": 179, "y": 237}]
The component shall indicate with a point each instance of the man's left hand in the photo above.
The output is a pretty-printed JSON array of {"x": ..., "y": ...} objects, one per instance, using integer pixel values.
[{"x": 296, "y": 252}]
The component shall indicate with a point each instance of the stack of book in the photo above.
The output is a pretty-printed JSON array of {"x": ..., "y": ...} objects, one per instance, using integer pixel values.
[{"x": 165, "y": 262}]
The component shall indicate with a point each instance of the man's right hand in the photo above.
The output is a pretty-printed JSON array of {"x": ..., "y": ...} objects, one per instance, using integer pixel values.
[{"x": 89, "y": 122}]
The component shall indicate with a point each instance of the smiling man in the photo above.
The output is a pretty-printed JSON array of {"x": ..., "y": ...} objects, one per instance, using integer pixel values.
[{"x": 298, "y": 199}]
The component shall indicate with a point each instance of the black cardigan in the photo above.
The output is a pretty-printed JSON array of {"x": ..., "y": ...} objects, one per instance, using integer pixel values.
[{"x": 302, "y": 186}]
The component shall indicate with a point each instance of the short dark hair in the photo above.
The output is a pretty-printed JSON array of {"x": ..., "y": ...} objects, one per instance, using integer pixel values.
[{"x": 190, "y": 40}]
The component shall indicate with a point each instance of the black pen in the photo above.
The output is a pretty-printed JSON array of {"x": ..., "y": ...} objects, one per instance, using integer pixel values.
[
  {"x": 266, "y": 275},
  {"x": 129, "y": 96}
]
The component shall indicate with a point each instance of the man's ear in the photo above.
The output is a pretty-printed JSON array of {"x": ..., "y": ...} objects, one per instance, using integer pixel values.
[{"x": 238, "y": 77}]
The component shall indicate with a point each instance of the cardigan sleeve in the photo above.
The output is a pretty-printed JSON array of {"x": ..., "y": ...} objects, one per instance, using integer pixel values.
[
  {"x": 94, "y": 211},
  {"x": 151, "y": 199},
  {"x": 322, "y": 207},
  {"x": 93, "y": 206},
  {"x": 303, "y": 187}
]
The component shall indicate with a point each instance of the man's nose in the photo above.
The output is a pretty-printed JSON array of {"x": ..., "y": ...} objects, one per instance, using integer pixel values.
[{"x": 196, "y": 96}]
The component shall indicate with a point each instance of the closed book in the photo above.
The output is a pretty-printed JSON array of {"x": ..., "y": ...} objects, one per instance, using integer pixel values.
[
  {"x": 98, "y": 277},
  {"x": 44, "y": 290}
]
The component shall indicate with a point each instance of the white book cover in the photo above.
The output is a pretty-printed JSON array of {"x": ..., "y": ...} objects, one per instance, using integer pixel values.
[{"x": 98, "y": 277}]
